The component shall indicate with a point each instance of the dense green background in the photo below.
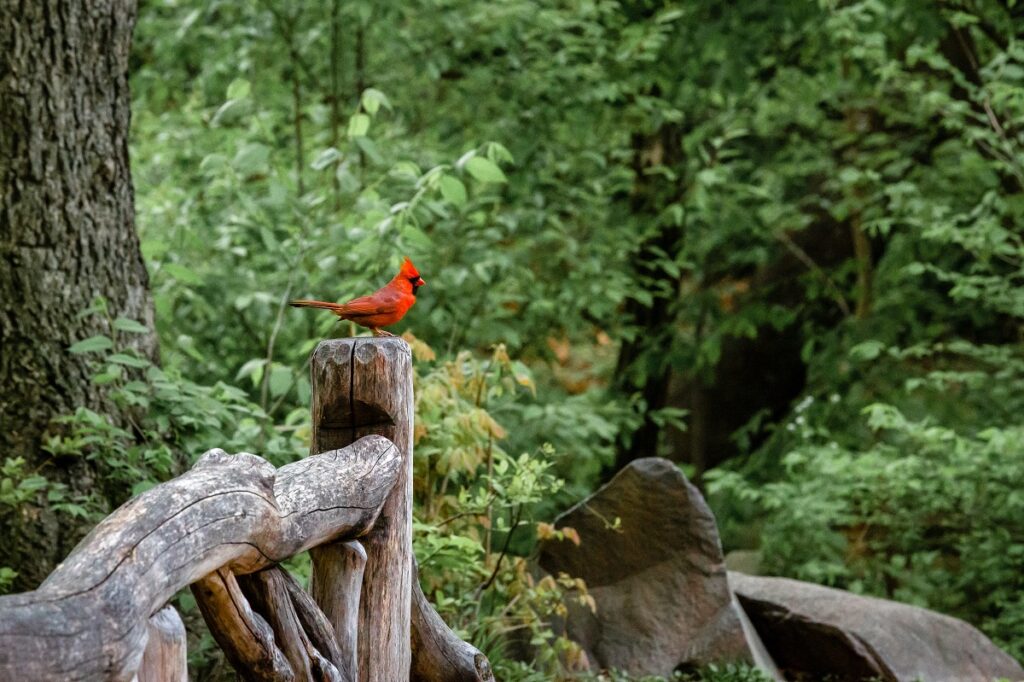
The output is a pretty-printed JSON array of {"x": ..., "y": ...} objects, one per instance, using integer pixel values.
[{"x": 609, "y": 201}]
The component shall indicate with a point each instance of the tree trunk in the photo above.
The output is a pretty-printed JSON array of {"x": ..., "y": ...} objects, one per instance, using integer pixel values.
[
  {"x": 655, "y": 319},
  {"x": 66, "y": 233}
]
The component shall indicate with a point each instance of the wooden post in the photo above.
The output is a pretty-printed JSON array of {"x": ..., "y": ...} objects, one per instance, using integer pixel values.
[
  {"x": 360, "y": 387},
  {"x": 335, "y": 584},
  {"x": 166, "y": 656}
]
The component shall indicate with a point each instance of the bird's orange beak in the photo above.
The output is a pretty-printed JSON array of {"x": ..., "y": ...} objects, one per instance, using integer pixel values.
[{"x": 420, "y": 282}]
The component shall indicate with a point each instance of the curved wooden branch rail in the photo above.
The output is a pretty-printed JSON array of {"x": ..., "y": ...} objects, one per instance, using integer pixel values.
[
  {"x": 88, "y": 620},
  {"x": 224, "y": 526}
]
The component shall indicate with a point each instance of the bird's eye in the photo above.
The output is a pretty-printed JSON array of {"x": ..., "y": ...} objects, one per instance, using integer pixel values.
[{"x": 414, "y": 279}]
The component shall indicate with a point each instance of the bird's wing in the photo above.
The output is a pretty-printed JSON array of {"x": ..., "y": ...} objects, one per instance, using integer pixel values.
[{"x": 365, "y": 306}]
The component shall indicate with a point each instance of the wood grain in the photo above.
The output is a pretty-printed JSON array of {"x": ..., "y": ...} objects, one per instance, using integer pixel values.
[
  {"x": 246, "y": 638},
  {"x": 362, "y": 387},
  {"x": 166, "y": 656},
  {"x": 317, "y": 627},
  {"x": 335, "y": 584},
  {"x": 268, "y": 593},
  {"x": 89, "y": 619}
]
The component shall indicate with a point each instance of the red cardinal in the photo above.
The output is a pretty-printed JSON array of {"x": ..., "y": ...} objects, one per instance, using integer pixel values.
[{"x": 383, "y": 307}]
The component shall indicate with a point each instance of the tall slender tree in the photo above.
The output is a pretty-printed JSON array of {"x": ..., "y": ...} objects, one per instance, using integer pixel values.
[{"x": 67, "y": 235}]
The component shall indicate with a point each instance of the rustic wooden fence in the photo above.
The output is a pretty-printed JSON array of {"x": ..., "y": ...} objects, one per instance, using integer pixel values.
[{"x": 223, "y": 528}]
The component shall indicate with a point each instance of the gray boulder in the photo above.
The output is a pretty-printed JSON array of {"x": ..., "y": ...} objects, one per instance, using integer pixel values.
[
  {"x": 657, "y": 575},
  {"x": 818, "y": 631}
]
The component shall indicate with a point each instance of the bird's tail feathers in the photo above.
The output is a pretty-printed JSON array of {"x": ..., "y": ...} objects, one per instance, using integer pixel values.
[{"x": 305, "y": 303}]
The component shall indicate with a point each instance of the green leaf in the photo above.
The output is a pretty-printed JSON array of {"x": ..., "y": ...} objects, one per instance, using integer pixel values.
[
  {"x": 142, "y": 486},
  {"x": 251, "y": 158},
  {"x": 33, "y": 483},
  {"x": 280, "y": 380},
  {"x": 104, "y": 378},
  {"x": 188, "y": 345},
  {"x": 187, "y": 23},
  {"x": 416, "y": 237},
  {"x": 325, "y": 158},
  {"x": 128, "y": 360},
  {"x": 405, "y": 169},
  {"x": 154, "y": 248},
  {"x": 669, "y": 16},
  {"x": 498, "y": 152},
  {"x": 252, "y": 369},
  {"x": 373, "y": 99},
  {"x": 484, "y": 170},
  {"x": 453, "y": 190},
  {"x": 370, "y": 149},
  {"x": 92, "y": 344},
  {"x": 461, "y": 163},
  {"x": 213, "y": 163},
  {"x": 239, "y": 89},
  {"x": 98, "y": 306},
  {"x": 358, "y": 125},
  {"x": 181, "y": 273},
  {"x": 123, "y": 324},
  {"x": 231, "y": 112},
  {"x": 347, "y": 182},
  {"x": 867, "y": 350}
]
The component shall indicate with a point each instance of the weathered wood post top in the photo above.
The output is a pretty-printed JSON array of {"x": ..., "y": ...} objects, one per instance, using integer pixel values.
[{"x": 363, "y": 386}]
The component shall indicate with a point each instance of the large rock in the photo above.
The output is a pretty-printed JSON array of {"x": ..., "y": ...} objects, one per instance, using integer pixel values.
[
  {"x": 657, "y": 575},
  {"x": 818, "y": 631}
]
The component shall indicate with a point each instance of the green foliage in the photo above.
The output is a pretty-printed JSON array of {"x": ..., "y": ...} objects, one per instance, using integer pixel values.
[
  {"x": 169, "y": 422},
  {"x": 657, "y": 161},
  {"x": 7, "y": 576},
  {"x": 921, "y": 500},
  {"x": 613, "y": 193},
  {"x": 477, "y": 507},
  {"x": 926, "y": 515}
]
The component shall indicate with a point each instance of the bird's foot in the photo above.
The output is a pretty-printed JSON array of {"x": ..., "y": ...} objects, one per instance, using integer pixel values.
[{"x": 381, "y": 332}]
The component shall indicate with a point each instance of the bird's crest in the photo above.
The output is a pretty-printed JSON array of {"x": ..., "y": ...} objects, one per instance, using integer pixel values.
[{"x": 408, "y": 269}]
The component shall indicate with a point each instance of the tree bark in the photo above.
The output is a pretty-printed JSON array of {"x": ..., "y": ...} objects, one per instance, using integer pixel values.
[
  {"x": 244, "y": 635},
  {"x": 67, "y": 233},
  {"x": 270, "y": 592}
]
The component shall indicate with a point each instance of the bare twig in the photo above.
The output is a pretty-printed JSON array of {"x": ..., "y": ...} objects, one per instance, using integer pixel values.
[
  {"x": 504, "y": 550},
  {"x": 471, "y": 512},
  {"x": 990, "y": 114},
  {"x": 804, "y": 258},
  {"x": 335, "y": 94},
  {"x": 286, "y": 27},
  {"x": 360, "y": 59},
  {"x": 862, "y": 250},
  {"x": 265, "y": 386},
  {"x": 277, "y": 403}
]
